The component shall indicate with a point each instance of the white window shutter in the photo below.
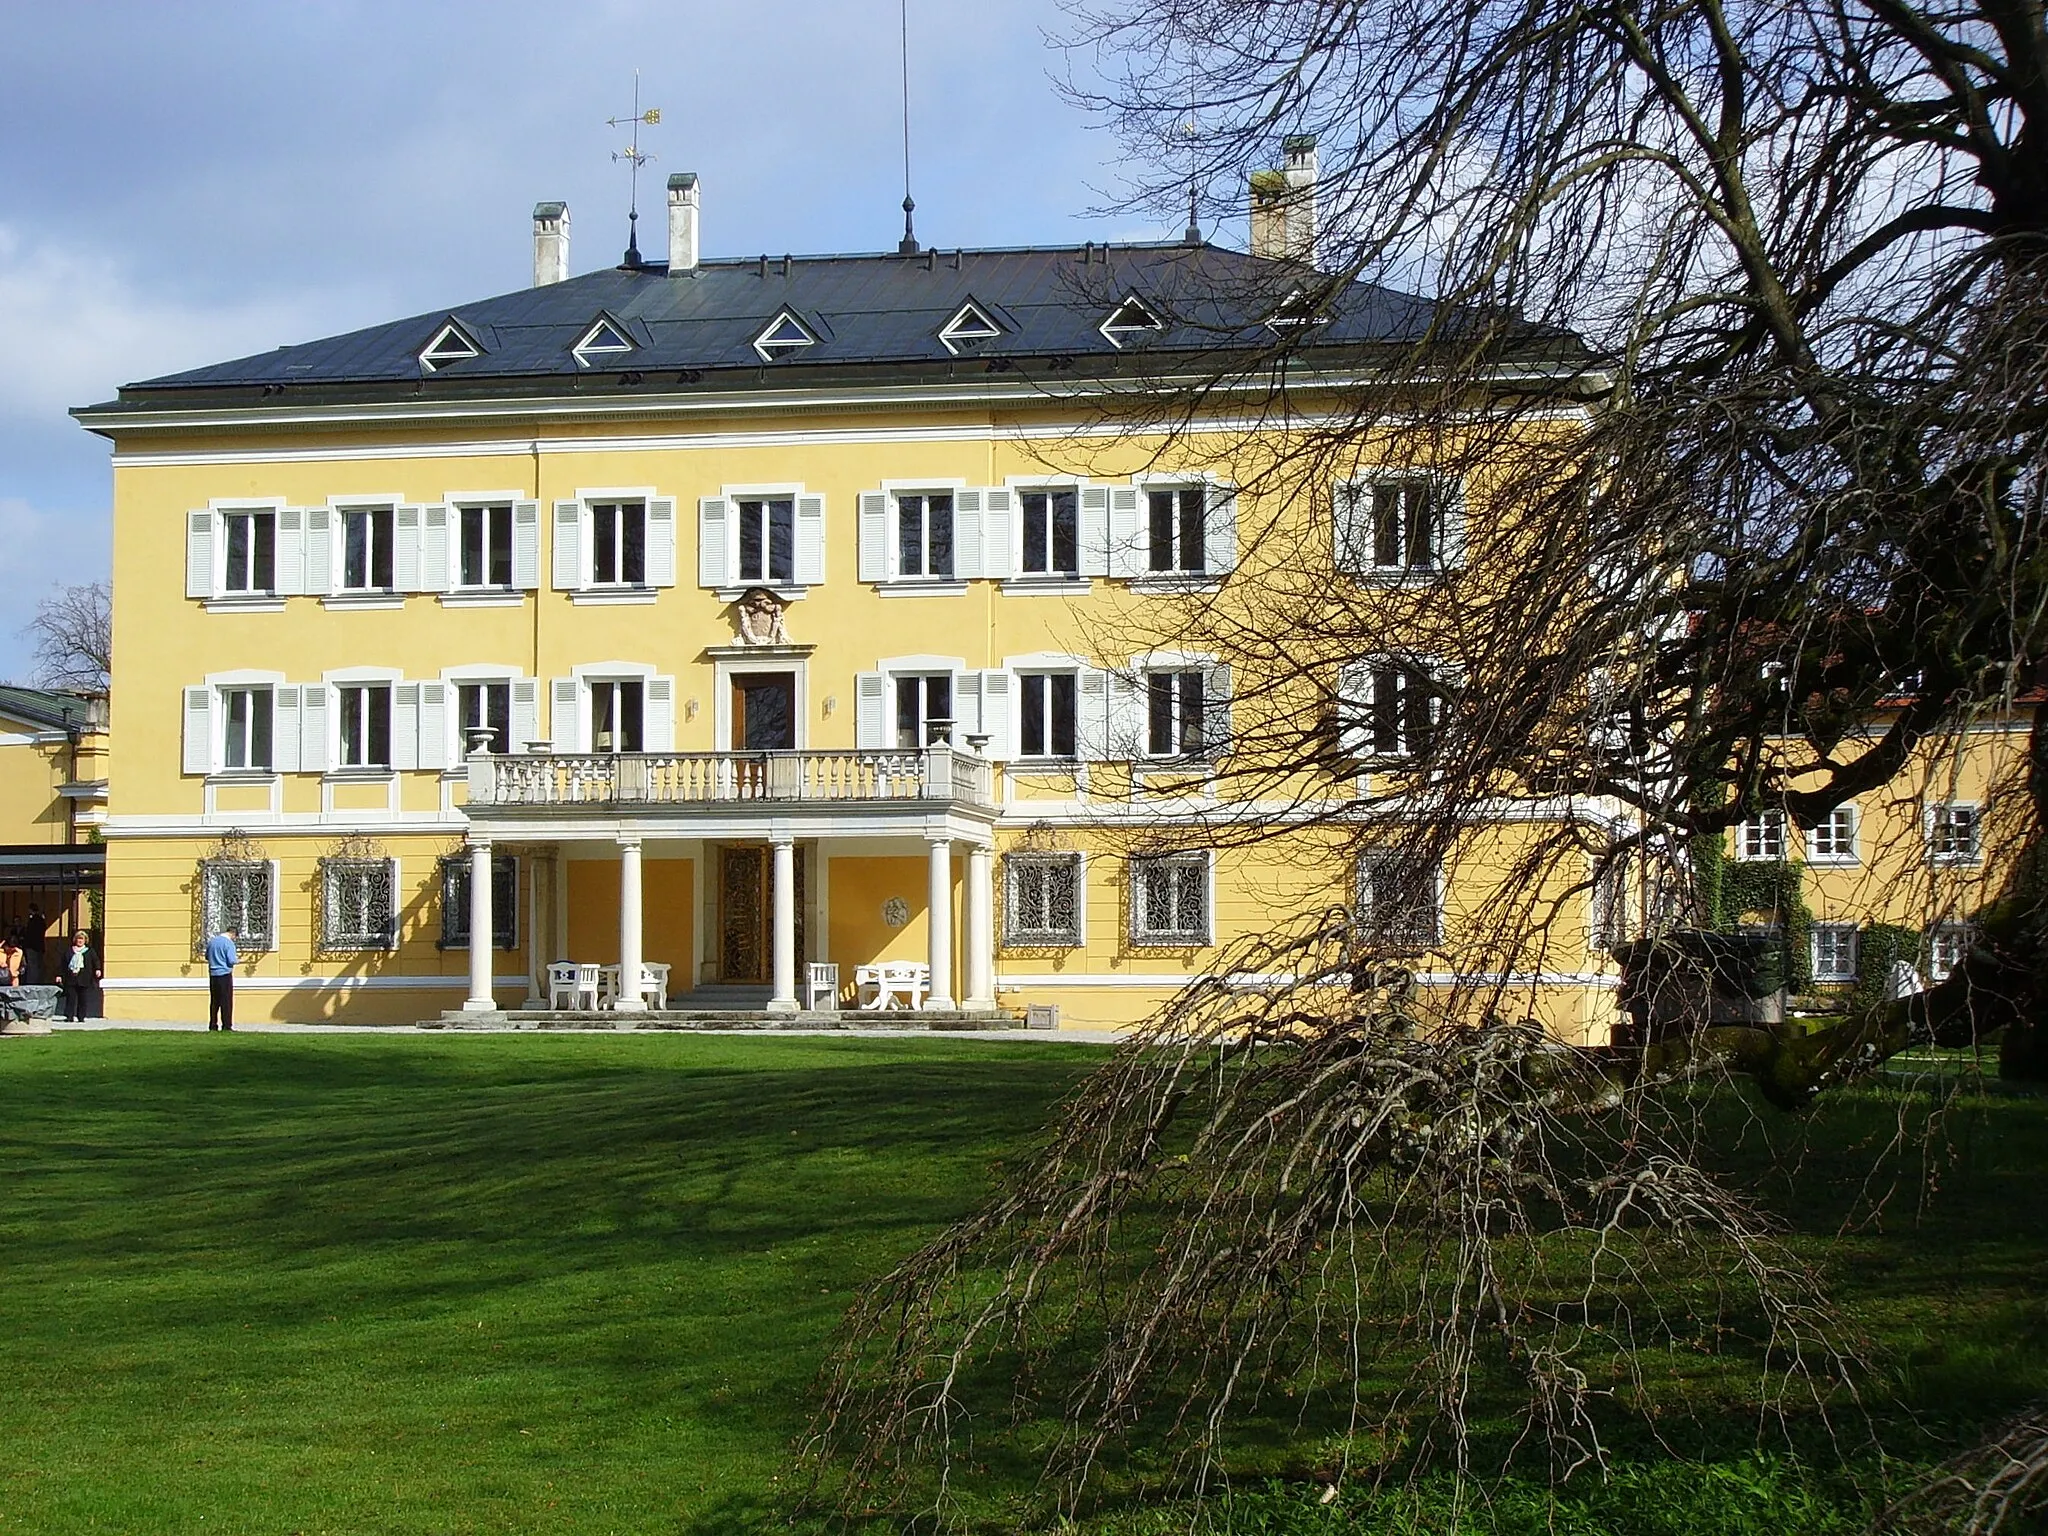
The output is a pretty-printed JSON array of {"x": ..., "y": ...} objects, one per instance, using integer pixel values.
[
  {"x": 1354, "y": 708},
  {"x": 998, "y": 534},
  {"x": 319, "y": 579},
  {"x": 284, "y": 730},
  {"x": 661, "y": 541},
  {"x": 526, "y": 545},
  {"x": 1452, "y": 531},
  {"x": 525, "y": 712},
  {"x": 1351, "y": 526},
  {"x": 810, "y": 541},
  {"x": 717, "y": 549},
  {"x": 1219, "y": 529},
  {"x": 313, "y": 728},
  {"x": 874, "y": 536},
  {"x": 1127, "y": 551},
  {"x": 995, "y": 713},
  {"x": 1216, "y": 723},
  {"x": 198, "y": 730},
  {"x": 967, "y": 535},
  {"x": 966, "y": 706},
  {"x": 1094, "y": 530},
  {"x": 568, "y": 552},
  {"x": 434, "y": 550},
  {"x": 393, "y": 906},
  {"x": 1091, "y": 716},
  {"x": 565, "y": 715},
  {"x": 433, "y": 749},
  {"x": 199, "y": 554},
  {"x": 405, "y": 725},
  {"x": 1124, "y": 738},
  {"x": 870, "y": 696},
  {"x": 658, "y": 725},
  {"x": 405, "y": 549},
  {"x": 290, "y": 554},
  {"x": 270, "y": 933}
]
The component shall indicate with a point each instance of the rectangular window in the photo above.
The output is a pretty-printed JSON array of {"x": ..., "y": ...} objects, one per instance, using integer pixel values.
[
  {"x": 768, "y": 540},
  {"x": 366, "y": 549},
  {"x": 924, "y": 703},
  {"x": 245, "y": 728},
  {"x": 1832, "y": 840},
  {"x": 1178, "y": 531},
  {"x": 618, "y": 544},
  {"x": 365, "y": 723},
  {"x": 484, "y": 707},
  {"x": 1042, "y": 898},
  {"x": 249, "y": 566},
  {"x": 1761, "y": 838},
  {"x": 1953, "y": 833},
  {"x": 1174, "y": 714},
  {"x": 486, "y": 534},
  {"x": 1400, "y": 907},
  {"x": 1834, "y": 951},
  {"x": 1052, "y": 533},
  {"x": 1947, "y": 947},
  {"x": 1404, "y": 709},
  {"x": 1045, "y": 714},
  {"x": 358, "y": 904},
  {"x": 1170, "y": 899},
  {"x": 455, "y": 902},
  {"x": 924, "y": 536},
  {"x": 236, "y": 896},
  {"x": 616, "y": 713}
]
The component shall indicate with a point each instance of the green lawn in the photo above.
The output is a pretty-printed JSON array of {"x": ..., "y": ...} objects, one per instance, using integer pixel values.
[{"x": 353, "y": 1284}]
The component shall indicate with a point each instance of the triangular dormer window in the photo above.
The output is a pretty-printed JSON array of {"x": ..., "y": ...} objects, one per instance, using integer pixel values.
[
  {"x": 968, "y": 329},
  {"x": 451, "y": 344},
  {"x": 1130, "y": 321},
  {"x": 785, "y": 334},
  {"x": 1298, "y": 308},
  {"x": 606, "y": 339}
]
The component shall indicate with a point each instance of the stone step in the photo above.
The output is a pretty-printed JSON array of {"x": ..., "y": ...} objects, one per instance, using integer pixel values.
[{"x": 710, "y": 1018}]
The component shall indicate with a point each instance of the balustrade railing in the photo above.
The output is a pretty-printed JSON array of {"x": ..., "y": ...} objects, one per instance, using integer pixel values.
[{"x": 692, "y": 778}]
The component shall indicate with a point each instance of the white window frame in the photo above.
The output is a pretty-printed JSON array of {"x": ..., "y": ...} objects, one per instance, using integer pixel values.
[
  {"x": 736, "y": 511},
  {"x": 1143, "y": 937},
  {"x": 1025, "y": 675},
  {"x": 1358, "y": 717},
  {"x": 470, "y": 347},
  {"x": 1847, "y": 819},
  {"x": 246, "y": 506},
  {"x": 957, "y": 339},
  {"x": 1362, "y": 563},
  {"x": 1120, "y": 336},
  {"x": 333, "y": 681},
  {"x": 1763, "y": 839},
  {"x": 221, "y": 693},
  {"x": 333, "y": 942},
  {"x": 731, "y": 583},
  {"x": 458, "y": 512},
  {"x": 1932, "y": 819},
  {"x": 617, "y": 505},
  {"x": 1948, "y": 946},
  {"x": 589, "y": 354},
  {"x": 1177, "y": 488},
  {"x": 892, "y": 708},
  {"x": 1815, "y": 948},
  {"x": 362, "y": 688},
  {"x": 340, "y": 512},
  {"x": 774, "y": 351},
  {"x": 1015, "y": 937},
  {"x": 926, "y": 577},
  {"x": 1406, "y": 942},
  {"x": 1053, "y": 485}
]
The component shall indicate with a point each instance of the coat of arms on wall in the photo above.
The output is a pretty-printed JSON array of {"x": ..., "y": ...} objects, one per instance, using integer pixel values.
[{"x": 758, "y": 616}]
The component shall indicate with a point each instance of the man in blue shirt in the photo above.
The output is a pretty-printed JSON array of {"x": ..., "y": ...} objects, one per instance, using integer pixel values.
[{"x": 220, "y": 980}]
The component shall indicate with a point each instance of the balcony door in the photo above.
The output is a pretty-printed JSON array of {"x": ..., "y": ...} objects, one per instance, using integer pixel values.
[
  {"x": 746, "y": 908},
  {"x": 764, "y": 711}
]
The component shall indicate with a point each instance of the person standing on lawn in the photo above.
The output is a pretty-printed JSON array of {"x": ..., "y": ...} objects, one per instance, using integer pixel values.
[
  {"x": 79, "y": 975},
  {"x": 221, "y": 957}
]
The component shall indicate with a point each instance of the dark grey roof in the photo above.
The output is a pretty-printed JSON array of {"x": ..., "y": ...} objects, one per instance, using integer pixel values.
[
  {"x": 41, "y": 706},
  {"x": 866, "y": 311}
]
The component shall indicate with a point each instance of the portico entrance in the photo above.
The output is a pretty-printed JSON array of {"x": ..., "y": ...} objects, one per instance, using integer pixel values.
[{"x": 743, "y": 953}]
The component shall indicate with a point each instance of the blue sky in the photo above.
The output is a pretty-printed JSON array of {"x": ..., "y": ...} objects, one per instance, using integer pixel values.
[{"x": 186, "y": 183}]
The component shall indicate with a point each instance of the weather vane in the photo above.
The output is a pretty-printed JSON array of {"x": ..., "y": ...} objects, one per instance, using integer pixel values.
[{"x": 633, "y": 155}]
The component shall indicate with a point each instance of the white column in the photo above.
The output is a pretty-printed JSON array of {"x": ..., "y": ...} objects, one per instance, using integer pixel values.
[
  {"x": 981, "y": 931},
  {"x": 783, "y": 973},
  {"x": 939, "y": 905},
  {"x": 629, "y": 999},
  {"x": 480, "y": 999}
]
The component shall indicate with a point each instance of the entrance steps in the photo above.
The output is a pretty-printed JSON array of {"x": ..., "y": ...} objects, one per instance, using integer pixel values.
[{"x": 727, "y": 1018}]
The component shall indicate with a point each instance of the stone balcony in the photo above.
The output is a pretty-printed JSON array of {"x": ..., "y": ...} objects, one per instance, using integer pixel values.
[{"x": 938, "y": 776}]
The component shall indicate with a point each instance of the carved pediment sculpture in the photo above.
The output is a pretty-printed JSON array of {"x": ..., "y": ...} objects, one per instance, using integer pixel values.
[{"x": 758, "y": 616}]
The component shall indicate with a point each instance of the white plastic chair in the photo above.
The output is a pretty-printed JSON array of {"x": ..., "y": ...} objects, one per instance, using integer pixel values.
[{"x": 821, "y": 985}]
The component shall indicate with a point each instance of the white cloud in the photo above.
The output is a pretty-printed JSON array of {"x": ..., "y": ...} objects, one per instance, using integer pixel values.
[{"x": 75, "y": 325}]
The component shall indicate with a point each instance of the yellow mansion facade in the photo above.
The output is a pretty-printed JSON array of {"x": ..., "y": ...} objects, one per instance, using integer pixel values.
[{"x": 732, "y": 618}]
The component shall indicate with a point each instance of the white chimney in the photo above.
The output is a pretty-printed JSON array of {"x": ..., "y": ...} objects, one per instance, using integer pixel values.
[
  {"x": 1284, "y": 203},
  {"x": 550, "y": 243},
  {"x": 682, "y": 222}
]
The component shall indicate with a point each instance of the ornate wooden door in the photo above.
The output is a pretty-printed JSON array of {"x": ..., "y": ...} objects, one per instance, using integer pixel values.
[{"x": 743, "y": 914}]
